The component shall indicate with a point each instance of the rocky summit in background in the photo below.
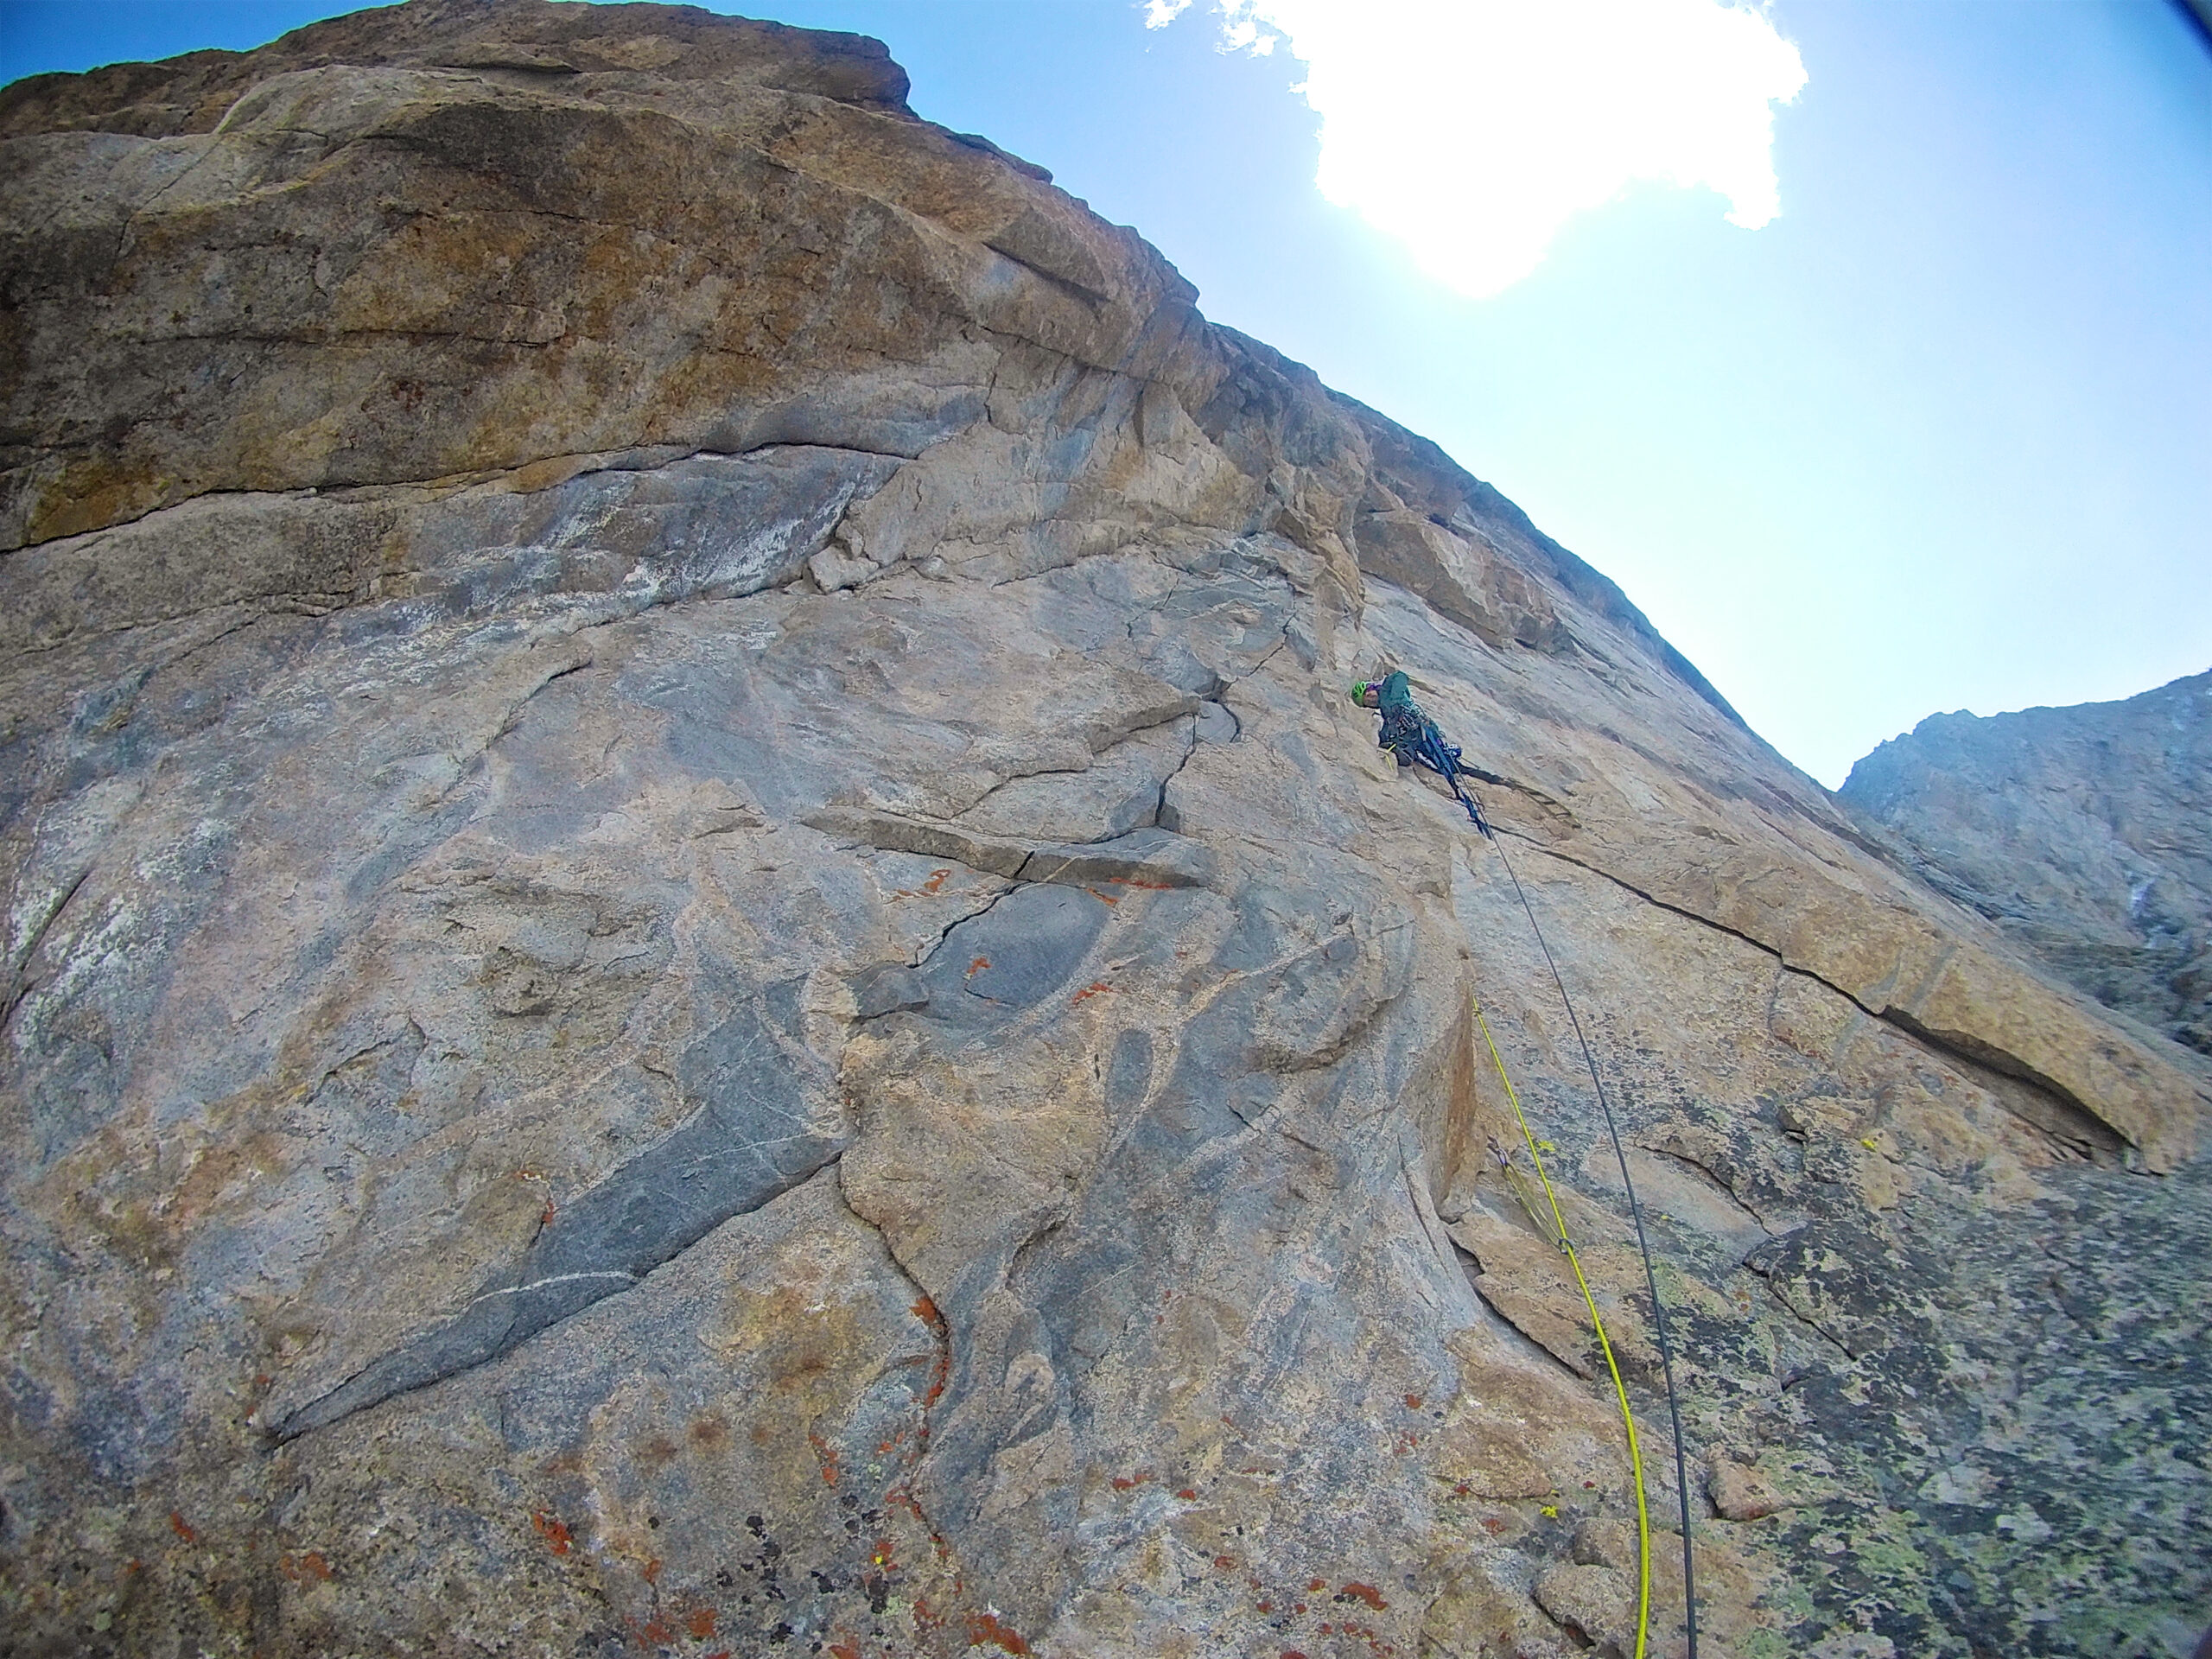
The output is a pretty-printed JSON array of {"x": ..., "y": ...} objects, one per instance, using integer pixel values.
[
  {"x": 702, "y": 958},
  {"x": 2085, "y": 832}
]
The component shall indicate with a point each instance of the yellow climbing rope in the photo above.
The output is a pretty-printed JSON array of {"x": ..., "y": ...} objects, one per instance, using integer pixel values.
[{"x": 1620, "y": 1388}]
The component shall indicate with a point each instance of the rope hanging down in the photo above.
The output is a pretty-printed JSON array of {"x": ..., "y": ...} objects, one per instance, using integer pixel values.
[
  {"x": 1415, "y": 740},
  {"x": 1643, "y": 1247},
  {"x": 1597, "y": 1322}
]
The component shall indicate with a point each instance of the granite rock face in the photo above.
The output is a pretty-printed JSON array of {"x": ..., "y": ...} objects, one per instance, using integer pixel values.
[
  {"x": 2084, "y": 832},
  {"x": 701, "y": 956}
]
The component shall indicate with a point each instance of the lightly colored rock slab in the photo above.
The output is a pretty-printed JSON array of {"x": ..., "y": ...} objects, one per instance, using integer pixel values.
[{"x": 700, "y": 954}]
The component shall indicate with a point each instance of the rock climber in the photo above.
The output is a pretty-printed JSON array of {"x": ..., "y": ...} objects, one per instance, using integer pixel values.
[
  {"x": 1412, "y": 736},
  {"x": 1405, "y": 729}
]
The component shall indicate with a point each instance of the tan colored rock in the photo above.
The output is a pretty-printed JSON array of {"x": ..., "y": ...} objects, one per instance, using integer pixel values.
[
  {"x": 1606, "y": 1543},
  {"x": 1530, "y": 1281},
  {"x": 1514, "y": 1432},
  {"x": 495, "y": 311},
  {"x": 1478, "y": 1618},
  {"x": 1738, "y": 1491},
  {"x": 1595, "y": 1604},
  {"x": 695, "y": 932}
]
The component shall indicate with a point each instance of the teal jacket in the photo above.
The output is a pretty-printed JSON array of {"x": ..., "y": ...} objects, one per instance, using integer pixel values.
[
  {"x": 1413, "y": 738},
  {"x": 1404, "y": 725},
  {"x": 1398, "y": 697}
]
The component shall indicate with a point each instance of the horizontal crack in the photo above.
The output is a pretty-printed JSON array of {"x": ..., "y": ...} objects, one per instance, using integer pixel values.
[
  {"x": 1952, "y": 1046},
  {"x": 630, "y": 458}
]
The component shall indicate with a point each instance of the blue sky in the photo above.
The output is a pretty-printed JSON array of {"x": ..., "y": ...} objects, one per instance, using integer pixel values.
[{"x": 1938, "y": 437}]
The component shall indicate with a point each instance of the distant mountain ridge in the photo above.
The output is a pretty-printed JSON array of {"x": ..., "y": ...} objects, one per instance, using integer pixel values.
[{"x": 2084, "y": 831}]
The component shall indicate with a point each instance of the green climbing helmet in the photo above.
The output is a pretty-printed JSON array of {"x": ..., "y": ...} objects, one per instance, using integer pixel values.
[{"x": 1359, "y": 691}]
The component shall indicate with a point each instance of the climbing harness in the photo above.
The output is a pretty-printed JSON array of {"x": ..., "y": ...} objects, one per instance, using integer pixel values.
[
  {"x": 1439, "y": 756},
  {"x": 1413, "y": 737},
  {"x": 1440, "y": 752}
]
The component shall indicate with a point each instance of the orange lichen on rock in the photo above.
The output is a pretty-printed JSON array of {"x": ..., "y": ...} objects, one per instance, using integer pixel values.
[
  {"x": 984, "y": 1627},
  {"x": 827, "y": 1455}
]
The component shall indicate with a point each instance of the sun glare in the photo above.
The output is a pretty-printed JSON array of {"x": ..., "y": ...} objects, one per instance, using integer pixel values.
[{"x": 1473, "y": 130}]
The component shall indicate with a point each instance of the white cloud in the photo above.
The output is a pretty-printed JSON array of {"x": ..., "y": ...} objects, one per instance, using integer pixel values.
[{"x": 1473, "y": 130}]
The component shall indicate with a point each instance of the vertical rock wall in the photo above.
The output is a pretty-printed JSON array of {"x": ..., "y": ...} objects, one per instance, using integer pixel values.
[{"x": 702, "y": 958}]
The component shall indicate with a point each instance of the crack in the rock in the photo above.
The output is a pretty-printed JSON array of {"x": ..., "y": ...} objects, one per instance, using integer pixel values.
[
  {"x": 508, "y": 723},
  {"x": 1499, "y": 780},
  {"x": 1955, "y": 1048},
  {"x": 1422, "y": 1213},
  {"x": 443, "y": 485},
  {"x": 1014, "y": 884},
  {"x": 1090, "y": 299},
  {"x": 332, "y": 336},
  {"x": 1814, "y": 1327},
  {"x": 21, "y": 982},
  {"x": 924, "y": 1307},
  {"x": 1466, "y": 1260},
  {"x": 1765, "y": 1276},
  {"x": 513, "y": 718},
  {"x": 1053, "y": 1224},
  {"x": 335, "y": 1067},
  {"x": 125, "y": 234},
  {"x": 1159, "y": 809},
  {"x": 500, "y": 1319},
  {"x": 626, "y": 1279},
  {"x": 1706, "y": 1170},
  {"x": 250, "y": 603},
  {"x": 1266, "y": 657},
  {"x": 238, "y": 626},
  {"x": 1020, "y": 775}
]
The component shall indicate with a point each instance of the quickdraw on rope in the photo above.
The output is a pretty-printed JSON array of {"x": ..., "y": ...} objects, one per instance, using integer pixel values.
[{"x": 1643, "y": 1244}]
